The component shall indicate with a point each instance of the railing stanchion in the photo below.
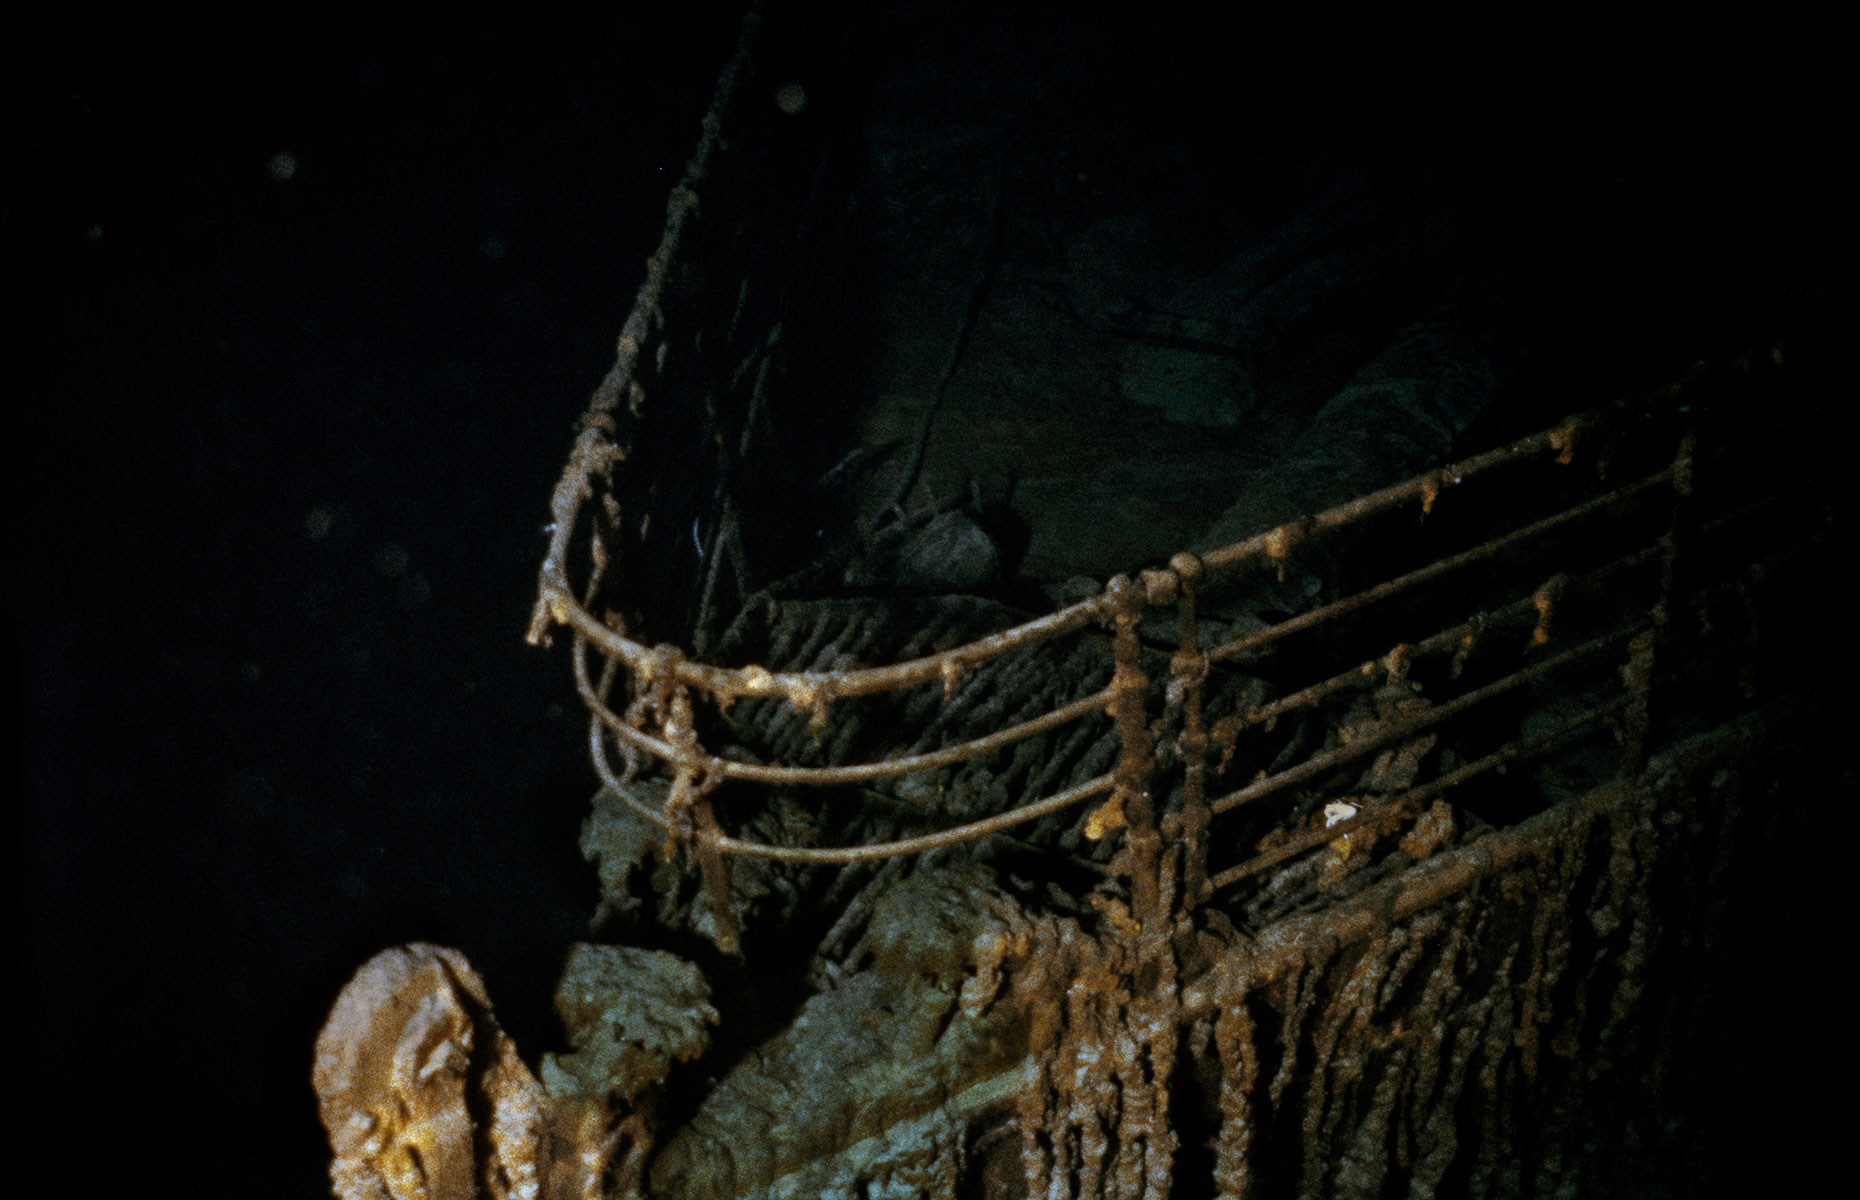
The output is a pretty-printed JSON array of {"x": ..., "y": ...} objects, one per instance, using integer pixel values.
[
  {"x": 1188, "y": 670},
  {"x": 1643, "y": 653},
  {"x": 1130, "y": 803},
  {"x": 688, "y": 809}
]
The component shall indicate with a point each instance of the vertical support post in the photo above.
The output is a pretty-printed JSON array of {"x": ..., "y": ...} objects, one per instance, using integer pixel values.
[
  {"x": 1136, "y": 756},
  {"x": 1188, "y": 670},
  {"x": 1644, "y": 651},
  {"x": 688, "y": 809},
  {"x": 716, "y": 875},
  {"x": 1637, "y": 673}
]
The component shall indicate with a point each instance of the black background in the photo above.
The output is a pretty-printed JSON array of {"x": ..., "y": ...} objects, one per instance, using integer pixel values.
[{"x": 254, "y": 756}]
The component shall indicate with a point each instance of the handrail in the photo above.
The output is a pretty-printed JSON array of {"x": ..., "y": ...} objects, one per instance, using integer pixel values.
[
  {"x": 723, "y": 768},
  {"x": 659, "y": 722},
  {"x": 813, "y": 690},
  {"x": 1167, "y": 754}
]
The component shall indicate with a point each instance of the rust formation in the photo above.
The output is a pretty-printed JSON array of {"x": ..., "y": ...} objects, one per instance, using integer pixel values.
[{"x": 1385, "y": 930}]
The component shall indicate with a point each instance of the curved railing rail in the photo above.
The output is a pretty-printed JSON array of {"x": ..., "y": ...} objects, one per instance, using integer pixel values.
[
  {"x": 1530, "y": 521},
  {"x": 1173, "y": 816}
]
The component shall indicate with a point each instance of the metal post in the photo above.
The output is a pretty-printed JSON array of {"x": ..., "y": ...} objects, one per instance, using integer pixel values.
[
  {"x": 688, "y": 810},
  {"x": 1643, "y": 652},
  {"x": 1188, "y": 670},
  {"x": 1136, "y": 757}
]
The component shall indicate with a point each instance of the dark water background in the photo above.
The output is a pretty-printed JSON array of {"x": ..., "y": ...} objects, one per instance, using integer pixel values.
[{"x": 310, "y": 301}]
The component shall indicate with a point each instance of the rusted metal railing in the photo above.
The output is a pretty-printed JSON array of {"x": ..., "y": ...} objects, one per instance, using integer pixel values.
[
  {"x": 1530, "y": 599},
  {"x": 1157, "y": 814},
  {"x": 692, "y": 403}
]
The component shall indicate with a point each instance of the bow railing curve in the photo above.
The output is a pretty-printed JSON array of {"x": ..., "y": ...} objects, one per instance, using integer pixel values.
[{"x": 1171, "y": 749}]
